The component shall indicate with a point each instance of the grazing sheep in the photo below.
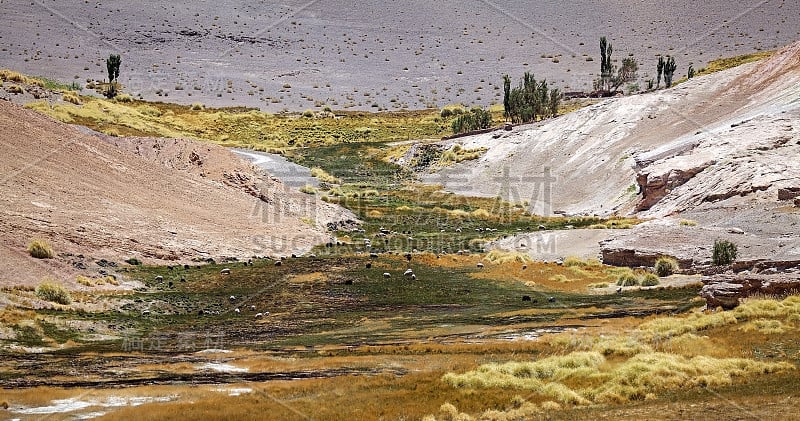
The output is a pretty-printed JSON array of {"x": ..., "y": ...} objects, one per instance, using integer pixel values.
[
  {"x": 146, "y": 313},
  {"x": 458, "y": 229},
  {"x": 232, "y": 298},
  {"x": 413, "y": 277},
  {"x": 526, "y": 298},
  {"x": 387, "y": 275},
  {"x": 225, "y": 271},
  {"x": 408, "y": 272},
  {"x": 252, "y": 308},
  {"x": 373, "y": 255},
  {"x": 619, "y": 289},
  {"x": 159, "y": 278},
  {"x": 551, "y": 299},
  {"x": 236, "y": 310},
  {"x": 480, "y": 265},
  {"x": 278, "y": 263},
  {"x": 259, "y": 315}
]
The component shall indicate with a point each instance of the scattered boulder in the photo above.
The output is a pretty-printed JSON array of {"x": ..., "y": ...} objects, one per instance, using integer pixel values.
[{"x": 721, "y": 294}]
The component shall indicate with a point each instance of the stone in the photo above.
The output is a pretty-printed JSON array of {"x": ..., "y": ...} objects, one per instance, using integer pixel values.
[{"x": 721, "y": 294}]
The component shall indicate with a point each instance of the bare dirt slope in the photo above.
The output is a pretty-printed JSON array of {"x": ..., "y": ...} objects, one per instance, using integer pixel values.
[
  {"x": 169, "y": 200},
  {"x": 708, "y": 148},
  {"x": 387, "y": 54}
]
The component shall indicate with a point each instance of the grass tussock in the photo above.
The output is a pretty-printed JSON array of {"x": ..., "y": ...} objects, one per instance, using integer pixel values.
[
  {"x": 572, "y": 261},
  {"x": 40, "y": 249},
  {"x": 458, "y": 154},
  {"x": 123, "y": 98},
  {"x": 501, "y": 256},
  {"x": 323, "y": 176},
  {"x": 308, "y": 189},
  {"x": 72, "y": 98},
  {"x": 93, "y": 282},
  {"x": 666, "y": 266},
  {"x": 53, "y": 292}
]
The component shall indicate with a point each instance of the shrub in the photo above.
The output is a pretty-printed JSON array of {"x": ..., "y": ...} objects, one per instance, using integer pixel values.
[
  {"x": 72, "y": 98},
  {"x": 133, "y": 261},
  {"x": 123, "y": 98},
  {"x": 476, "y": 119},
  {"x": 308, "y": 114},
  {"x": 650, "y": 280},
  {"x": 49, "y": 291},
  {"x": 308, "y": 189},
  {"x": 324, "y": 176},
  {"x": 15, "y": 89},
  {"x": 724, "y": 252},
  {"x": 40, "y": 249},
  {"x": 198, "y": 107},
  {"x": 688, "y": 223},
  {"x": 666, "y": 266},
  {"x": 627, "y": 280}
]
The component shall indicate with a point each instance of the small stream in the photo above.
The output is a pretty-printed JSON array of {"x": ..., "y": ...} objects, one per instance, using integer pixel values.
[{"x": 291, "y": 174}]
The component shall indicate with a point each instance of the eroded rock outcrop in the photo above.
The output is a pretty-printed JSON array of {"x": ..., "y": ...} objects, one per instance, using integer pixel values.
[{"x": 726, "y": 290}]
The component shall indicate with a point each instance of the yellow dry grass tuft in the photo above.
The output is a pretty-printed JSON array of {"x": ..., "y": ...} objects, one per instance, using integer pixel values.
[
  {"x": 497, "y": 256},
  {"x": 323, "y": 176},
  {"x": 40, "y": 249},
  {"x": 788, "y": 309},
  {"x": 585, "y": 377}
]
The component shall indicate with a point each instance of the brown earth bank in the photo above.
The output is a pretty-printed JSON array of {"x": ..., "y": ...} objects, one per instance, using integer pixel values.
[{"x": 93, "y": 197}]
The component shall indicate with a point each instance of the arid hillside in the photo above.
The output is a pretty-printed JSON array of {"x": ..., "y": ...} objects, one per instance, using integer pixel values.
[
  {"x": 719, "y": 150},
  {"x": 96, "y": 198}
]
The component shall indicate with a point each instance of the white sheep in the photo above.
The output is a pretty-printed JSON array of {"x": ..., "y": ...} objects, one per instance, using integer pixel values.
[
  {"x": 408, "y": 272},
  {"x": 232, "y": 298},
  {"x": 259, "y": 315},
  {"x": 236, "y": 310},
  {"x": 480, "y": 265},
  {"x": 159, "y": 278},
  {"x": 252, "y": 308},
  {"x": 387, "y": 275},
  {"x": 226, "y": 271},
  {"x": 413, "y": 277}
]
